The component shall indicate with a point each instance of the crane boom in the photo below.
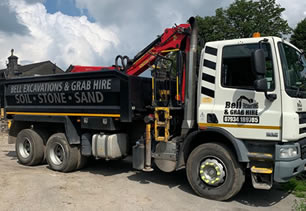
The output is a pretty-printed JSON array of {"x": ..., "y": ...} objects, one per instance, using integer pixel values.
[{"x": 173, "y": 39}]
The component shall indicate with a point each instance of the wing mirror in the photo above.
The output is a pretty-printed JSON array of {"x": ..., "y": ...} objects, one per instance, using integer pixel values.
[
  {"x": 259, "y": 67},
  {"x": 261, "y": 85},
  {"x": 259, "y": 62}
]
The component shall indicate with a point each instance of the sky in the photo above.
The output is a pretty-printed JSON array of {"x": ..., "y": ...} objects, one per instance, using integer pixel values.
[{"x": 94, "y": 32}]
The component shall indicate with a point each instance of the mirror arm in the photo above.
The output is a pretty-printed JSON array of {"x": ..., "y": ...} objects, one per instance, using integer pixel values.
[{"x": 270, "y": 97}]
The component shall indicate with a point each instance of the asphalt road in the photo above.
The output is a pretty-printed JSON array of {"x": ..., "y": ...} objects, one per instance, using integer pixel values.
[{"x": 115, "y": 185}]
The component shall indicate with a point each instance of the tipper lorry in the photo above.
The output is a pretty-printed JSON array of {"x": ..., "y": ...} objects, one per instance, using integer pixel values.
[{"x": 230, "y": 109}]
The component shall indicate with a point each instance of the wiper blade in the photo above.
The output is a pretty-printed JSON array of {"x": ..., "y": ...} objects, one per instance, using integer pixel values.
[
  {"x": 300, "y": 85},
  {"x": 298, "y": 92},
  {"x": 291, "y": 87}
]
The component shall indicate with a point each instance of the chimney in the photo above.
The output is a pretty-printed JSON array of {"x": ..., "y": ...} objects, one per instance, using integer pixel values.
[{"x": 12, "y": 65}]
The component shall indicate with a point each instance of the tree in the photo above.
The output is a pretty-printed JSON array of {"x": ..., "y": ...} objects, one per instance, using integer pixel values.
[
  {"x": 298, "y": 37},
  {"x": 242, "y": 18}
]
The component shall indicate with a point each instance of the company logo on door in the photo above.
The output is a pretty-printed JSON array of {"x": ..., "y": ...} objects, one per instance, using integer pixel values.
[{"x": 244, "y": 110}]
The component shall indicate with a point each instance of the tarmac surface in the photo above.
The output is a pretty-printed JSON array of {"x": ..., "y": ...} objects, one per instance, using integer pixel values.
[{"x": 114, "y": 185}]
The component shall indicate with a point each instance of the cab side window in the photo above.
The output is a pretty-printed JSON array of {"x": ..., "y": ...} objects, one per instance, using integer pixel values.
[{"x": 237, "y": 69}]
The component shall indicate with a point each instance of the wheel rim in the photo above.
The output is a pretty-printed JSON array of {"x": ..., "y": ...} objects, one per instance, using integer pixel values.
[
  {"x": 25, "y": 148},
  {"x": 212, "y": 171},
  {"x": 57, "y": 154}
]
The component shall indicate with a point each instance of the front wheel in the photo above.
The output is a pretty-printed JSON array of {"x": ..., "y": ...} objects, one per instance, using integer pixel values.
[
  {"x": 60, "y": 155},
  {"x": 213, "y": 172}
]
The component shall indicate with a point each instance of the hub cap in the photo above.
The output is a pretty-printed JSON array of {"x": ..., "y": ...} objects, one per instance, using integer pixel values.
[
  {"x": 212, "y": 171},
  {"x": 25, "y": 148},
  {"x": 57, "y": 154}
]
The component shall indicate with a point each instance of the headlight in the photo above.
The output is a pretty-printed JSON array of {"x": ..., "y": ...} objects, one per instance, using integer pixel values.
[{"x": 288, "y": 152}]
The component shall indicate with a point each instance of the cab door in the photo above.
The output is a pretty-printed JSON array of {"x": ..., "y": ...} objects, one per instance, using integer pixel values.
[{"x": 237, "y": 107}]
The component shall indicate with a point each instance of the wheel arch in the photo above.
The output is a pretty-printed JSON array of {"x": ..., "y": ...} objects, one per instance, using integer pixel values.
[
  {"x": 214, "y": 134},
  {"x": 44, "y": 124},
  {"x": 16, "y": 127}
]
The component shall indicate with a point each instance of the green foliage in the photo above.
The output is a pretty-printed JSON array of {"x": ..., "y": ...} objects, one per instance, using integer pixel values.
[
  {"x": 242, "y": 18},
  {"x": 300, "y": 194},
  {"x": 298, "y": 37},
  {"x": 297, "y": 186}
]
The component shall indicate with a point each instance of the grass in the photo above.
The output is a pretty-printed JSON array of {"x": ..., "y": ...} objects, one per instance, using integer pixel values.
[
  {"x": 297, "y": 186},
  {"x": 299, "y": 205}
]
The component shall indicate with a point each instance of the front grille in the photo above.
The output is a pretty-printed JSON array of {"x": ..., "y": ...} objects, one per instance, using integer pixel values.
[
  {"x": 302, "y": 120},
  {"x": 303, "y": 148},
  {"x": 302, "y": 117},
  {"x": 302, "y": 130}
]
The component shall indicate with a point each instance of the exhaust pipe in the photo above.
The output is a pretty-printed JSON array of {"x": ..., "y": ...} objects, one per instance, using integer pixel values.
[{"x": 190, "y": 88}]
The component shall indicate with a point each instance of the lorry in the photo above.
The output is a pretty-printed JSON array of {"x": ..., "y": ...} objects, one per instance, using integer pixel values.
[{"x": 233, "y": 108}]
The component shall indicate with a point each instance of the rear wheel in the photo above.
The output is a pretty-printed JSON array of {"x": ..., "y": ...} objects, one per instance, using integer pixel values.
[
  {"x": 44, "y": 135},
  {"x": 29, "y": 147},
  {"x": 60, "y": 155},
  {"x": 82, "y": 161},
  {"x": 213, "y": 172}
]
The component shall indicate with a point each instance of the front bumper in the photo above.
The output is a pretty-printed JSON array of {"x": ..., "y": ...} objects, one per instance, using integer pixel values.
[{"x": 284, "y": 170}]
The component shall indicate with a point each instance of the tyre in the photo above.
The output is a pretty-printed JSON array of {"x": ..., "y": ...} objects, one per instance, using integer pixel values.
[
  {"x": 44, "y": 135},
  {"x": 60, "y": 155},
  {"x": 29, "y": 147},
  {"x": 82, "y": 161},
  {"x": 213, "y": 172}
]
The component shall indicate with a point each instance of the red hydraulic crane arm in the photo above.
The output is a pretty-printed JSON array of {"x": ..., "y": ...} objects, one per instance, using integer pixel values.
[
  {"x": 171, "y": 40},
  {"x": 176, "y": 38}
]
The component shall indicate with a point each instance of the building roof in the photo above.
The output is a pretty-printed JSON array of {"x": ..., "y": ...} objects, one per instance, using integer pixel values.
[{"x": 41, "y": 68}]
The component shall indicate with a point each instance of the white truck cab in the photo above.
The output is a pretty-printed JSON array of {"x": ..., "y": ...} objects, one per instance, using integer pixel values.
[{"x": 275, "y": 118}]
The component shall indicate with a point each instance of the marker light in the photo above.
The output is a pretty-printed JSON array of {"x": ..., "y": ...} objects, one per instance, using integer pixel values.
[{"x": 256, "y": 34}]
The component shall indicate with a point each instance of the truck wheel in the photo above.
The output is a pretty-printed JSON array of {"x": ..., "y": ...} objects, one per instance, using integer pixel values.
[
  {"x": 29, "y": 147},
  {"x": 213, "y": 172},
  {"x": 60, "y": 155},
  {"x": 44, "y": 135},
  {"x": 82, "y": 161}
]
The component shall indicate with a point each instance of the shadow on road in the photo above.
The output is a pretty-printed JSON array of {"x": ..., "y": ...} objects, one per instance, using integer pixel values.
[
  {"x": 174, "y": 179},
  {"x": 260, "y": 198},
  {"x": 107, "y": 168},
  {"x": 115, "y": 167},
  {"x": 247, "y": 196},
  {"x": 11, "y": 154}
]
